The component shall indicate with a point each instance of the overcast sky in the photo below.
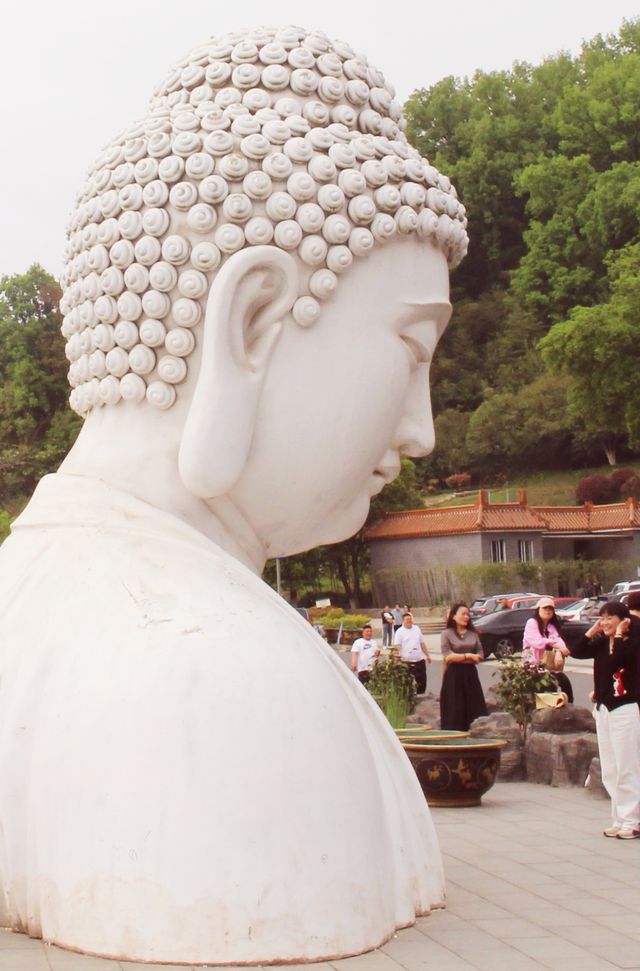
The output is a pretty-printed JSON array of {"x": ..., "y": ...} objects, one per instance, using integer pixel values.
[{"x": 73, "y": 73}]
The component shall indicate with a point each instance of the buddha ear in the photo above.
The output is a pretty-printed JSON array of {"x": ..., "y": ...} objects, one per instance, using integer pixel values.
[{"x": 248, "y": 300}]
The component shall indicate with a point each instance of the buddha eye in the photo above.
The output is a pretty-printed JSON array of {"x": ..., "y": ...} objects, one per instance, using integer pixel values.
[{"x": 420, "y": 350}]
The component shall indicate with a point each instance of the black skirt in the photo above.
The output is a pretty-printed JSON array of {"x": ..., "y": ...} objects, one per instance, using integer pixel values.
[{"x": 461, "y": 697}]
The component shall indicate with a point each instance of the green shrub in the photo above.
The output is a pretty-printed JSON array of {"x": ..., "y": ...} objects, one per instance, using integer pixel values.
[
  {"x": 5, "y": 523},
  {"x": 334, "y": 616},
  {"x": 394, "y": 687}
]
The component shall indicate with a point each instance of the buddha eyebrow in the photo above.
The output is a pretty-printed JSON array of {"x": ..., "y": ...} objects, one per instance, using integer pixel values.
[{"x": 439, "y": 310}]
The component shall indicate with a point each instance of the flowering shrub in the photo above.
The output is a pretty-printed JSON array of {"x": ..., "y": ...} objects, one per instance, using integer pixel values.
[
  {"x": 595, "y": 488},
  {"x": 517, "y": 688},
  {"x": 458, "y": 481}
]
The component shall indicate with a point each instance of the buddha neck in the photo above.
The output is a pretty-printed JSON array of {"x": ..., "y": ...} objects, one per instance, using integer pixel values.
[{"x": 138, "y": 454}]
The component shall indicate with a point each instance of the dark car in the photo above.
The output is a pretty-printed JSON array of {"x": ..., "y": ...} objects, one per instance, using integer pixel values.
[{"x": 501, "y": 632}]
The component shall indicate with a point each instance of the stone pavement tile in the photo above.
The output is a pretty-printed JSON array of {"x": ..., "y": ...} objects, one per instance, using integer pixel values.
[
  {"x": 555, "y": 953},
  {"x": 508, "y": 927},
  {"x": 622, "y": 956},
  {"x": 628, "y": 873},
  {"x": 407, "y": 934},
  {"x": 546, "y": 915},
  {"x": 594, "y": 937},
  {"x": 445, "y": 919},
  {"x": 564, "y": 870},
  {"x": 625, "y": 897},
  {"x": 62, "y": 960},
  {"x": 522, "y": 854},
  {"x": 560, "y": 892},
  {"x": 143, "y": 966},
  {"x": 21, "y": 959},
  {"x": 485, "y": 953},
  {"x": 316, "y": 966},
  {"x": 17, "y": 942},
  {"x": 372, "y": 961},
  {"x": 593, "y": 906},
  {"x": 511, "y": 900},
  {"x": 469, "y": 906},
  {"x": 414, "y": 956},
  {"x": 619, "y": 922},
  {"x": 594, "y": 882}
]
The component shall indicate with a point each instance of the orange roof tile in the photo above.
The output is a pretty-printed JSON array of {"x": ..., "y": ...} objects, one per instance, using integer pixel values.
[
  {"x": 484, "y": 516},
  {"x": 455, "y": 519}
]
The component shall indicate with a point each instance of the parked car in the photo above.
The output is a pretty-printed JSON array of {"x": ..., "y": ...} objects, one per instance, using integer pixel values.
[
  {"x": 501, "y": 631},
  {"x": 529, "y": 601},
  {"x": 583, "y": 609},
  {"x": 622, "y": 586},
  {"x": 488, "y": 604}
]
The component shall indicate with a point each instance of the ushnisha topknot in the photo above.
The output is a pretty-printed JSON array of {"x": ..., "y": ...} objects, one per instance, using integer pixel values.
[{"x": 269, "y": 136}]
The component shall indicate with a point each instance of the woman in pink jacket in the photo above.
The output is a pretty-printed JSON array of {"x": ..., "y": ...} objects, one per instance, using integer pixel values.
[{"x": 542, "y": 631}]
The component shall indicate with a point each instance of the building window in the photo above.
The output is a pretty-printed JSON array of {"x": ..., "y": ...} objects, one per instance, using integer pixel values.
[
  {"x": 525, "y": 550},
  {"x": 498, "y": 551}
]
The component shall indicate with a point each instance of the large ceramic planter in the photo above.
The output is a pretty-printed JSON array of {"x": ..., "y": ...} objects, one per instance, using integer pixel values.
[
  {"x": 422, "y": 733},
  {"x": 454, "y": 771}
]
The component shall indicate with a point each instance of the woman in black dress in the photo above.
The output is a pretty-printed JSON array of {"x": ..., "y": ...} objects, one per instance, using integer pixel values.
[{"x": 461, "y": 697}]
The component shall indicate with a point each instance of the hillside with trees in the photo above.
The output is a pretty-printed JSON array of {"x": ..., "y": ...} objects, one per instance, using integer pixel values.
[{"x": 534, "y": 370}]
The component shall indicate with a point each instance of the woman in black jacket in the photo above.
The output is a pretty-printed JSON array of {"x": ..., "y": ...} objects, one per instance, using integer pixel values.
[{"x": 614, "y": 645}]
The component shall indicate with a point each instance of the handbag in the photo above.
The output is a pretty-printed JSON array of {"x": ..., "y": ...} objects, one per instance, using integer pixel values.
[
  {"x": 551, "y": 699},
  {"x": 552, "y": 660}
]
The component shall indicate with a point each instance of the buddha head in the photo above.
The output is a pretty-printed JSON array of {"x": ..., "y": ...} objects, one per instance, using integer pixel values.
[{"x": 263, "y": 259}]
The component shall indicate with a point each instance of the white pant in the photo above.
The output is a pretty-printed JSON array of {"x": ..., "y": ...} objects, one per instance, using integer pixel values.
[{"x": 619, "y": 746}]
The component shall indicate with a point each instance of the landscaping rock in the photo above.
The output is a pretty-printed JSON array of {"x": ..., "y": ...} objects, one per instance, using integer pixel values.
[
  {"x": 594, "y": 780},
  {"x": 491, "y": 699},
  {"x": 569, "y": 720},
  {"x": 504, "y": 726},
  {"x": 427, "y": 712},
  {"x": 559, "y": 760}
]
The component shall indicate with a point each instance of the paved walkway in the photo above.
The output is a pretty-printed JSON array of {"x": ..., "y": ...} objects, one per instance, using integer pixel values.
[{"x": 532, "y": 884}]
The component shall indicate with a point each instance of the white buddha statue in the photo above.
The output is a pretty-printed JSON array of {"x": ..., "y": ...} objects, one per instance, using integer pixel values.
[{"x": 256, "y": 279}]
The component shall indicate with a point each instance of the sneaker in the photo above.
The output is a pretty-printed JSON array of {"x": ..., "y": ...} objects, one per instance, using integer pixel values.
[
  {"x": 611, "y": 831},
  {"x": 628, "y": 834}
]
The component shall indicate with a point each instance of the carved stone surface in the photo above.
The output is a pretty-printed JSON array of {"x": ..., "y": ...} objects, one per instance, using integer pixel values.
[
  {"x": 233, "y": 154},
  {"x": 563, "y": 721},
  {"x": 559, "y": 760},
  {"x": 502, "y": 725},
  {"x": 189, "y": 773}
]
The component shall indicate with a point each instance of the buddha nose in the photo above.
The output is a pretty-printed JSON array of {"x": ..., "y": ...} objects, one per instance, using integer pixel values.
[{"x": 414, "y": 434}]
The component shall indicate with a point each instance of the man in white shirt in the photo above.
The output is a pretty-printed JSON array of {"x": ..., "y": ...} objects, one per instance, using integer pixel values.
[
  {"x": 363, "y": 654},
  {"x": 411, "y": 648}
]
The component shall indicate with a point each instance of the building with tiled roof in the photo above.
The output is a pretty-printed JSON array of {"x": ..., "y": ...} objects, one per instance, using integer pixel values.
[{"x": 483, "y": 531}]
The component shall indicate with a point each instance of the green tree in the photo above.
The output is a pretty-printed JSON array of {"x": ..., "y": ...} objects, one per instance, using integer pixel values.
[
  {"x": 36, "y": 425},
  {"x": 596, "y": 348},
  {"x": 524, "y": 429},
  {"x": 450, "y": 453},
  {"x": 560, "y": 267},
  {"x": 600, "y": 117}
]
